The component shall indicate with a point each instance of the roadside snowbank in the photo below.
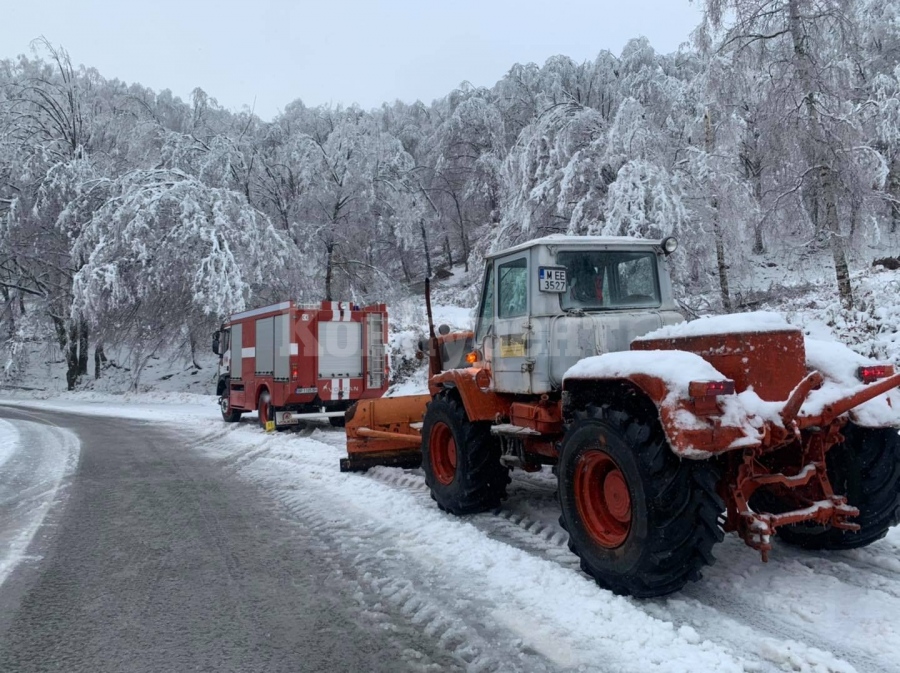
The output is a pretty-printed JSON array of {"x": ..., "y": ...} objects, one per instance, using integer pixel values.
[
  {"x": 35, "y": 460},
  {"x": 9, "y": 441}
]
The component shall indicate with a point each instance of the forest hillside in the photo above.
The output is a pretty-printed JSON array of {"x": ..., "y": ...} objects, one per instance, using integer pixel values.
[{"x": 132, "y": 220}]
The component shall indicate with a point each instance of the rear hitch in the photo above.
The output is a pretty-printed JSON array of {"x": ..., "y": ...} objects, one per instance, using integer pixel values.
[
  {"x": 810, "y": 489},
  {"x": 757, "y": 529}
]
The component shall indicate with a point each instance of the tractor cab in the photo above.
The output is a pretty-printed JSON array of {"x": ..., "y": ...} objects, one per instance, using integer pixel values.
[{"x": 553, "y": 301}]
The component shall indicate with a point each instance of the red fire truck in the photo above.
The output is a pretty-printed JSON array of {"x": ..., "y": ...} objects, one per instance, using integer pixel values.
[{"x": 292, "y": 362}]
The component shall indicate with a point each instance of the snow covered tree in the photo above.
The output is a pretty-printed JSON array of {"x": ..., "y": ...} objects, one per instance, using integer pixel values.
[
  {"x": 805, "y": 45},
  {"x": 166, "y": 255}
]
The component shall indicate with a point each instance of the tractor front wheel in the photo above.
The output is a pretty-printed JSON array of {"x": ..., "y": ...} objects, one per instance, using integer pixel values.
[
  {"x": 865, "y": 467},
  {"x": 642, "y": 521},
  {"x": 461, "y": 459}
]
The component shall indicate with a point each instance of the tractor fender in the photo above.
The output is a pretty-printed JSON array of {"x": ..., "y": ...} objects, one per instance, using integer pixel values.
[
  {"x": 639, "y": 393},
  {"x": 690, "y": 435},
  {"x": 480, "y": 404}
]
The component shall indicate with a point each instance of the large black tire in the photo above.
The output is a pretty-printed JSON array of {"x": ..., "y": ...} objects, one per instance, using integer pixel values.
[
  {"x": 664, "y": 533},
  {"x": 229, "y": 414},
  {"x": 473, "y": 480},
  {"x": 337, "y": 421},
  {"x": 865, "y": 467}
]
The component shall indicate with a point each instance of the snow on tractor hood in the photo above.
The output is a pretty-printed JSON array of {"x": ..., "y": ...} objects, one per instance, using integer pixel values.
[
  {"x": 835, "y": 361},
  {"x": 746, "y": 323},
  {"x": 744, "y": 412}
]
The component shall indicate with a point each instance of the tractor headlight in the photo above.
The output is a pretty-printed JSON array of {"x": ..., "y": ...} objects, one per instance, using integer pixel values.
[{"x": 669, "y": 245}]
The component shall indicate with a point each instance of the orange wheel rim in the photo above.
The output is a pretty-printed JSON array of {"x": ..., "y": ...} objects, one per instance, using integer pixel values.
[
  {"x": 442, "y": 447},
  {"x": 602, "y": 499}
]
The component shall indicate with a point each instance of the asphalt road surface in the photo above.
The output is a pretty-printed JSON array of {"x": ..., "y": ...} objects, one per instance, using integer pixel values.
[{"x": 156, "y": 559}]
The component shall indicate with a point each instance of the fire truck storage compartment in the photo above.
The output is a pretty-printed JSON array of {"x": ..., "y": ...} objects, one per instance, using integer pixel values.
[
  {"x": 264, "y": 343},
  {"x": 282, "y": 329},
  {"x": 237, "y": 344},
  {"x": 340, "y": 350}
]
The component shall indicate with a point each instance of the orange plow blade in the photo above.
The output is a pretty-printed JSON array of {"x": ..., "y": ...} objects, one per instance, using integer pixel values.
[{"x": 385, "y": 431}]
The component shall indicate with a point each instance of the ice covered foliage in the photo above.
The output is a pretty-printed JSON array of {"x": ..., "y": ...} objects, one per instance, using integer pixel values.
[
  {"x": 69, "y": 194},
  {"x": 166, "y": 241},
  {"x": 644, "y": 202}
]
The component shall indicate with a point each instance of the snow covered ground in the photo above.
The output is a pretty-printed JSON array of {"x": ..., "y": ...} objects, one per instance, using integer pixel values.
[{"x": 502, "y": 591}]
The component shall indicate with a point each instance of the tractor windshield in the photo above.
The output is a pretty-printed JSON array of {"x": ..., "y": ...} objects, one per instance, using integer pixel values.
[{"x": 609, "y": 280}]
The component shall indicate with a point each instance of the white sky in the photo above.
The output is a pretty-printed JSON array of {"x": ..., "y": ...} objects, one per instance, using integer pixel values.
[{"x": 271, "y": 52}]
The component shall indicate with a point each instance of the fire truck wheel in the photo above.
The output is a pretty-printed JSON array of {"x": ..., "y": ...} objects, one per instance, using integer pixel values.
[
  {"x": 642, "y": 521},
  {"x": 461, "y": 459},
  {"x": 865, "y": 467},
  {"x": 229, "y": 415},
  {"x": 265, "y": 411}
]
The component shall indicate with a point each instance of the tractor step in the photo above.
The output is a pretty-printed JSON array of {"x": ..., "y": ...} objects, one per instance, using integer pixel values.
[{"x": 509, "y": 430}]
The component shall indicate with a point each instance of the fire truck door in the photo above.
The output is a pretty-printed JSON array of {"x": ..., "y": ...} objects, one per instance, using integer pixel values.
[
  {"x": 282, "y": 347},
  {"x": 265, "y": 360},
  {"x": 237, "y": 365}
]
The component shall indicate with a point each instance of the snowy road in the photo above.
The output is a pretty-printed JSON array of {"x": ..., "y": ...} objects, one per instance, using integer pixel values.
[
  {"x": 158, "y": 560},
  {"x": 497, "y": 591}
]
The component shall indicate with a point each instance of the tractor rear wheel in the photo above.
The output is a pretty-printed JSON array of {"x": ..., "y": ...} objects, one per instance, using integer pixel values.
[
  {"x": 461, "y": 459},
  {"x": 642, "y": 520},
  {"x": 865, "y": 467}
]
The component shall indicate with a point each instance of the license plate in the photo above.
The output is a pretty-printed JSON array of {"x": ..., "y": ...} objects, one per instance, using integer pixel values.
[
  {"x": 552, "y": 279},
  {"x": 286, "y": 418}
]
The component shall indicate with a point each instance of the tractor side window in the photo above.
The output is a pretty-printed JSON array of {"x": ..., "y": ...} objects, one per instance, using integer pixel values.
[
  {"x": 225, "y": 344},
  {"x": 486, "y": 315},
  {"x": 513, "y": 288}
]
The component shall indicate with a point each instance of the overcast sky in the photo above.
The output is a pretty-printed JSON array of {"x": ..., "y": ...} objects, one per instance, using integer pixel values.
[{"x": 268, "y": 53}]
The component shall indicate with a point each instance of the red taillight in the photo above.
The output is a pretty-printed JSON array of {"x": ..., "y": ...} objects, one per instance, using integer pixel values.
[
  {"x": 295, "y": 373},
  {"x": 711, "y": 388},
  {"x": 871, "y": 373}
]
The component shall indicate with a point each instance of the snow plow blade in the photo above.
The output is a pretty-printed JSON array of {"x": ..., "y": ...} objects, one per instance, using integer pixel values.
[{"x": 385, "y": 431}]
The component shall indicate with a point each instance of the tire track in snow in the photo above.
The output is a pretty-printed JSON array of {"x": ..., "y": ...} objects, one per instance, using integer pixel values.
[
  {"x": 380, "y": 575},
  {"x": 503, "y": 608},
  {"x": 721, "y": 614}
]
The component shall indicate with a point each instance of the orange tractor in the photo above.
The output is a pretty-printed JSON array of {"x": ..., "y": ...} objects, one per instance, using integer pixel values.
[{"x": 664, "y": 434}]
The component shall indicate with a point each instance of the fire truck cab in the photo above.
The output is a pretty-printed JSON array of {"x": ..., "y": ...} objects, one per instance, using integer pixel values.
[{"x": 289, "y": 362}]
